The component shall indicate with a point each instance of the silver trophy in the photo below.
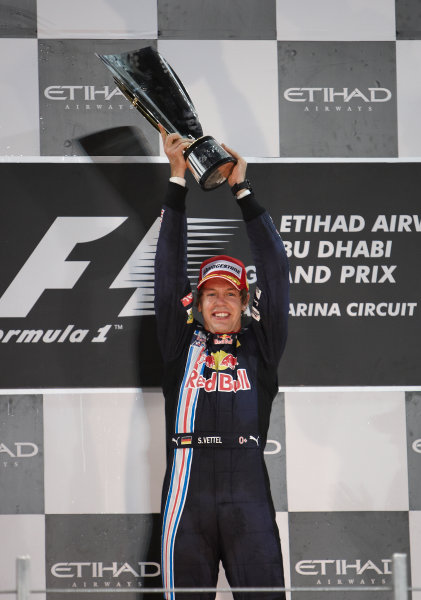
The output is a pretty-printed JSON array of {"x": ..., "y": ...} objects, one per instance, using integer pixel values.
[{"x": 151, "y": 85}]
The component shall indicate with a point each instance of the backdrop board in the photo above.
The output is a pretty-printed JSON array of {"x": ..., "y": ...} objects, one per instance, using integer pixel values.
[
  {"x": 81, "y": 468},
  {"x": 81, "y": 475},
  {"x": 78, "y": 243}
]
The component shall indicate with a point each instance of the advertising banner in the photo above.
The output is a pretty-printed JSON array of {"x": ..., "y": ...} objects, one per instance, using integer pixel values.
[
  {"x": 21, "y": 455},
  {"x": 323, "y": 553},
  {"x": 102, "y": 551},
  {"x": 79, "y": 101},
  {"x": 78, "y": 245},
  {"x": 337, "y": 99},
  {"x": 413, "y": 437}
]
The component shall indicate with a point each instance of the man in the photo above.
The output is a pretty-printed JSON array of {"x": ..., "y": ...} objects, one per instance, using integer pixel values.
[{"x": 219, "y": 383}]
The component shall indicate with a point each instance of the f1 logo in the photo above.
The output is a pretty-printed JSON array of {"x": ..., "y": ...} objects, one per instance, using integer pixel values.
[{"x": 47, "y": 267}]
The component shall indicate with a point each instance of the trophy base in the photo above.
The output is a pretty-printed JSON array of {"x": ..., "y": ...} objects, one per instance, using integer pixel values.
[{"x": 210, "y": 164}]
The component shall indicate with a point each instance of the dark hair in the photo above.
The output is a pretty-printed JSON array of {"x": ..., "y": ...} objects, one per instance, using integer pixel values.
[{"x": 243, "y": 296}]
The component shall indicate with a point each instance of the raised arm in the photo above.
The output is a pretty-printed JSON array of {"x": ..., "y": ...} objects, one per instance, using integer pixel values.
[
  {"x": 271, "y": 300},
  {"x": 172, "y": 287}
]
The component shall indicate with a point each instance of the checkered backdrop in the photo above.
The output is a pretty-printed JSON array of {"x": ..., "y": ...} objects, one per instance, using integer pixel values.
[{"x": 282, "y": 82}]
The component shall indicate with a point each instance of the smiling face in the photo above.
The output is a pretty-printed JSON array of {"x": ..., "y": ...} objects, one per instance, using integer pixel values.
[{"x": 221, "y": 306}]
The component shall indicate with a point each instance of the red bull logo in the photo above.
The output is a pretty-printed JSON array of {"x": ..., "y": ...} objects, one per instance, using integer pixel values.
[
  {"x": 219, "y": 361},
  {"x": 228, "y": 362},
  {"x": 224, "y": 382},
  {"x": 211, "y": 362},
  {"x": 223, "y": 338}
]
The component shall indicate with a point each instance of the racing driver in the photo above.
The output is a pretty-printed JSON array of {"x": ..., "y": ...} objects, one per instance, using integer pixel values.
[{"x": 219, "y": 383}]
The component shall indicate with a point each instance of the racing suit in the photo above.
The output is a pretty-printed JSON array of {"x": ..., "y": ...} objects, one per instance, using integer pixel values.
[{"x": 219, "y": 388}]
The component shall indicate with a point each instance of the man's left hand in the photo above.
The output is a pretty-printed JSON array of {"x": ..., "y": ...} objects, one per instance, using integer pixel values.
[{"x": 238, "y": 174}]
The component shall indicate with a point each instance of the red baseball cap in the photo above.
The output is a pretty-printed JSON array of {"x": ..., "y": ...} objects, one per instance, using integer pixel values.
[{"x": 224, "y": 267}]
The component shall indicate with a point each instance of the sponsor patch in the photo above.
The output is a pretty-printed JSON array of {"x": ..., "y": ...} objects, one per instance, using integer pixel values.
[
  {"x": 224, "y": 382},
  {"x": 224, "y": 338},
  {"x": 219, "y": 361},
  {"x": 200, "y": 339},
  {"x": 225, "y": 265},
  {"x": 187, "y": 300}
]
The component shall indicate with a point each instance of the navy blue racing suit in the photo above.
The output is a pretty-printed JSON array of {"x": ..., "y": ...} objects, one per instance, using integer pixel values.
[{"x": 219, "y": 388}]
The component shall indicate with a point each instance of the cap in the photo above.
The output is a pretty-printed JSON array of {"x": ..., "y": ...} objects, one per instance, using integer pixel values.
[{"x": 224, "y": 267}]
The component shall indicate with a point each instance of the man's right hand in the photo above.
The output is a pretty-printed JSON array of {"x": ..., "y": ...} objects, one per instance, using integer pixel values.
[{"x": 174, "y": 146}]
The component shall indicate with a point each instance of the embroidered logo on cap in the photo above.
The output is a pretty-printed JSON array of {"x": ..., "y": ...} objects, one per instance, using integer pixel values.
[{"x": 224, "y": 267}]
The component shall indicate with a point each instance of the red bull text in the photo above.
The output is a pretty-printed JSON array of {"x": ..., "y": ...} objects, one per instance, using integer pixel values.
[{"x": 223, "y": 382}]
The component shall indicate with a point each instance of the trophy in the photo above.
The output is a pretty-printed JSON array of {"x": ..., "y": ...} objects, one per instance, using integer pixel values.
[{"x": 151, "y": 85}]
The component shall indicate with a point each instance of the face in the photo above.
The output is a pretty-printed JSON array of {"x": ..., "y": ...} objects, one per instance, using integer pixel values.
[{"x": 221, "y": 306}]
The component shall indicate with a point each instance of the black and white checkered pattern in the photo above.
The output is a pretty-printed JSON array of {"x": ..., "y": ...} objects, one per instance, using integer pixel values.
[
  {"x": 243, "y": 63},
  {"x": 80, "y": 473}
]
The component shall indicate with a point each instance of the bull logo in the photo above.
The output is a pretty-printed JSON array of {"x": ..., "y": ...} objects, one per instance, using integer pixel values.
[{"x": 219, "y": 361}]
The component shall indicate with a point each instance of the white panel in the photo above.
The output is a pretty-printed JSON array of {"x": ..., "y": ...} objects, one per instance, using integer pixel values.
[
  {"x": 19, "y": 107},
  {"x": 104, "y": 19},
  {"x": 415, "y": 541},
  {"x": 346, "y": 451},
  {"x": 336, "y": 20},
  {"x": 104, "y": 453},
  {"x": 22, "y": 535},
  {"x": 223, "y": 585},
  {"x": 233, "y": 85},
  {"x": 408, "y": 74}
]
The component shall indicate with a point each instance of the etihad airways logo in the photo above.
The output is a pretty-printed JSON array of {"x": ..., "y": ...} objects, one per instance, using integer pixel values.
[
  {"x": 81, "y": 92},
  {"x": 48, "y": 268},
  {"x": 105, "y": 575},
  {"x": 416, "y": 446},
  {"x": 10, "y": 453},
  {"x": 328, "y": 99},
  {"x": 87, "y": 97},
  {"x": 19, "y": 450},
  {"x": 340, "y": 571}
]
